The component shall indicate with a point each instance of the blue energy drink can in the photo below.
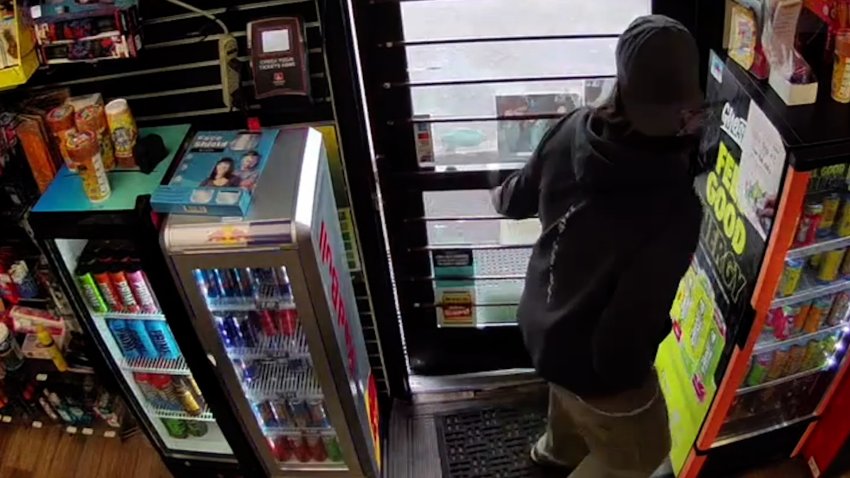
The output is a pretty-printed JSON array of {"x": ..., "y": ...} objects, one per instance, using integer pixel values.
[
  {"x": 121, "y": 333},
  {"x": 162, "y": 339},
  {"x": 299, "y": 412},
  {"x": 142, "y": 338}
]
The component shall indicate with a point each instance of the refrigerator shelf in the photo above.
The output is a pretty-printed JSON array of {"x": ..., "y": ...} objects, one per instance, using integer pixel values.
[
  {"x": 247, "y": 304},
  {"x": 205, "y": 416},
  {"x": 277, "y": 431},
  {"x": 164, "y": 366},
  {"x": 127, "y": 316},
  {"x": 278, "y": 380},
  {"x": 274, "y": 348},
  {"x": 781, "y": 380},
  {"x": 810, "y": 289},
  {"x": 822, "y": 245},
  {"x": 772, "y": 343}
]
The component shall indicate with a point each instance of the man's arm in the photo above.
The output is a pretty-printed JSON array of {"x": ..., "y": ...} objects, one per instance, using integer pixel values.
[{"x": 519, "y": 196}]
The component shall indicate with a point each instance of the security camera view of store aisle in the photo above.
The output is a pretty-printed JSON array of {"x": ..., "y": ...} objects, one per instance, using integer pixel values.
[{"x": 602, "y": 277}]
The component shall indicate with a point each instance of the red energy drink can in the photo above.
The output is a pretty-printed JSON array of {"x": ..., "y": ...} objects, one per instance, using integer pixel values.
[
  {"x": 809, "y": 224},
  {"x": 267, "y": 323},
  {"x": 125, "y": 292},
  {"x": 300, "y": 449},
  {"x": 282, "y": 448},
  {"x": 108, "y": 291},
  {"x": 287, "y": 321},
  {"x": 317, "y": 448}
]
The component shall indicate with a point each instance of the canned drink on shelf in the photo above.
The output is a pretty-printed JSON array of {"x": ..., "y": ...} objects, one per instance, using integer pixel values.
[
  {"x": 287, "y": 322},
  {"x": 299, "y": 413},
  {"x": 224, "y": 332},
  {"x": 790, "y": 277},
  {"x": 141, "y": 289},
  {"x": 300, "y": 449},
  {"x": 840, "y": 306},
  {"x": 844, "y": 270},
  {"x": 124, "y": 338},
  {"x": 264, "y": 317},
  {"x": 175, "y": 428},
  {"x": 197, "y": 428},
  {"x": 247, "y": 370},
  {"x": 795, "y": 359},
  {"x": 781, "y": 321},
  {"x": 800, "y": 318},
  {"x": 248, "y": 331},
  {"x": 125, "y": 292},
  {"x": 213, "y": 290},
  {"x": 281, "y": 448},
  {"x": 232, "y": 325},
  {"x": 830, "y": 265},
  {"x": 317, "y": 448},
  {"x": 186, "y": 398},
  {"x": 831, "y": 203},
  {"x": 333, "y": 448},
  {"x": 815, "y": 260},
  {"x": 195, "y": 389},
  {"x": 281, "y": 414},
  {"x": 777, "y": 366},
  {"x": 318, "y": 415},
  {"x": 265, "y": 414},
  {"x": 162, "y": 338},
  {"x": 809, "y": 223},
  {"x": 842, "y": 226},
  {"x": 814, "y": 355},
  {"x": 818, "y": 312},
  {"x": 759, "y": 368}
]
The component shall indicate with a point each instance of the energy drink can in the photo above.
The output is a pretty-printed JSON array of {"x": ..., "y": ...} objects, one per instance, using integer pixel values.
[
  {"x": 248, "y": 330},
  {"x": 281, "y": 448},
  {"x": 844, "y": 270},
  {"x": 840, "y": 306},
  {"x": 211, "y": 281},
  {"x": 299, "y": 412},
  {"x": 815, "y": 260},
  {"x": 318, "y": 415},
  {"x": 142, "y": 339},
  {"x": 175, "y": 428},
  {"x": 287, "y": 321},
  {"x": 842, "y": 227},
  {"x": 125, "y": 292},
  {"x": 163, "y": 340},
  {"x": 281, "y": 414},
  {"x": 187, "y": 400},
  {"x": 333, "y": 448},
  {"x": 84, "y": 149},
  {"x": 264, "y": 317},
  {"x": 814, "y": 355},
  {"x": 124, "y": 338},
  {"x": 830, "y": 210},
  {"x": 195, "y": 389},
  {"x": 247, "y": 370},
  {"x": 265, "y": 414},
  {"x": 196, "y": 428},
  {"x": 141, "y": 289},
  {"x": 225, "y": 332},
  {"x": 777, "y": 366},
  {"x": 317, "y": 448},
  {"x": 233, "y": 327},
  {"x": 89, "y": 290},
  {"x": 781, "y": 321},
  {"x": 790, "y": 277},
  {"x": 809, "y": 223},
  {"x": 795, "y": 359},
  {"x": 759, "y": 369},
  {"x": 244, "y": 282},
  {"x": 831, "y": 263},
  {"x": 107, "y": 290},
  {"x": 301, "y": 450},
  {"x": 817, "y": 314}
]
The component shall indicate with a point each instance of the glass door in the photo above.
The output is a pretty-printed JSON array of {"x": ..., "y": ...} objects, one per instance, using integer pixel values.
[
  {"x": 111, "y": 282},
  {"x": 256, "y": 322},
  {"x": 463, "y": 93}
]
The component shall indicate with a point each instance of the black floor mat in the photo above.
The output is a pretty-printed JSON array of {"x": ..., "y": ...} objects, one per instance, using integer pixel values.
[{"x": 490, "y": 443}]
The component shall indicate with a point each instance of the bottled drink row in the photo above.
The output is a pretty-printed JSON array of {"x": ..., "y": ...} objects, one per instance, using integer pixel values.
[
  {"x": 77, "y": 404},
  {"x": 306, "y": 447},
  {"x": 245, "y": 283},
  {"x": 171, "y": 392},
  {"x": 250, "y": 329},
  {"x": 292, "y": 413},
  {"x": 111, "y": 279},
  {"x": 790, "y": 359},
  {"x": 144, "y": 339},
  {"x": 809, "y": 317}
]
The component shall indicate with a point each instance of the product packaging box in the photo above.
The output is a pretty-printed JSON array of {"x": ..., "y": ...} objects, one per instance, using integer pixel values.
[
  {"x": 33, "y": 349},
  {"x": 217, "y": 174}
]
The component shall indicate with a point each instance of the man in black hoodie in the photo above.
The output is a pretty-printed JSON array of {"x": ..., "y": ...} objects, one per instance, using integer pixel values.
[{"x": 613, "y": 187}]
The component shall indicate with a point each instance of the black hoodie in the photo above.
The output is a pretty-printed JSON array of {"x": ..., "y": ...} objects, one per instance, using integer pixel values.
[{"x": 620, "y": 224}]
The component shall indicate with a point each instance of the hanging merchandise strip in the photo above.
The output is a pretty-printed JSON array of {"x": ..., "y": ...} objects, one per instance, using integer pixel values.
[{"x": 181, "y": 58}]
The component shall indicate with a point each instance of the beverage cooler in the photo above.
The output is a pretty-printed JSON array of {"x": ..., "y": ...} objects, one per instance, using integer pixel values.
[
  {"x": 760, "y": 321},
  {"x": 270, "y": 297},
  {"x": 108, "y": 257}
]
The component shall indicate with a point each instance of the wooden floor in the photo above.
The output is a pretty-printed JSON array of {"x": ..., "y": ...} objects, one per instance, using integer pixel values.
[{"x": 52, "y": 453}]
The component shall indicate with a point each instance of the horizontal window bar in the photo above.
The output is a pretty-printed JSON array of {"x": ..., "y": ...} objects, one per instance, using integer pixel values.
[
  {"x": 429, "y": 305},
  {"x": 463, "y": 278},
  {"x": 456, "y": 218},
  {"x": 218, "y": 11},
  {"x": 453, "y": 179},
  {"x": 744, "y": 436},
  {"x": 482, "y": 81},
  {"x": 454, "y": 41},
  {"x": 470, "y": 119},
  {"x": 475, "y": 247},
  {"x": 780, "y": 381}
]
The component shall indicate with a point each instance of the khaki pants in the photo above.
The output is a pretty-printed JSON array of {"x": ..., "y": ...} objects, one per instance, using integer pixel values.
[{"x": 622, "y": 436}]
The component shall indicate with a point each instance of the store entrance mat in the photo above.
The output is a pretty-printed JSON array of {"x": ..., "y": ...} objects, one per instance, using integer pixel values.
[{"x": 490, "y": 442}]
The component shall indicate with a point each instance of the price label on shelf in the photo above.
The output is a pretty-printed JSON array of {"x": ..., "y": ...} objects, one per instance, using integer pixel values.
[
  {"x": 42, "y": 377},
  {"x": 88, "y": 431},
  {"x": 6, "y": 419},
  {"x": 71, "y": 429},
  {"x": 37, "y": 424},
  {"x": 109, "y": 434}
]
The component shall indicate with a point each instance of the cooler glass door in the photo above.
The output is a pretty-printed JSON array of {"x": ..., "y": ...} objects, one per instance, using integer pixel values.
[
  {"x": 113, "y": 287},
  {"x": 261, "y": 338}
]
